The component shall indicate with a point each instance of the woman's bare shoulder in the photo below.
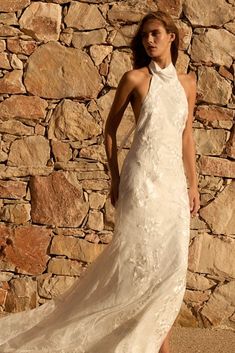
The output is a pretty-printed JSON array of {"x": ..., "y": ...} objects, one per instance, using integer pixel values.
[
  {"x": 134, "y": 76},
  {"x": 189, "y": 82},
  {"x": 188, "y": 79}
]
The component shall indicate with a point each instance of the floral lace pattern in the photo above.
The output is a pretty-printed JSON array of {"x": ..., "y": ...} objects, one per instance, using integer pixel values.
[{"x": 130, "y": 296}]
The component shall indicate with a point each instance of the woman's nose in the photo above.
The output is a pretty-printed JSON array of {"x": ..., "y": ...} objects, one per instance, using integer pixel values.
[{"x": 149, "y": 39}]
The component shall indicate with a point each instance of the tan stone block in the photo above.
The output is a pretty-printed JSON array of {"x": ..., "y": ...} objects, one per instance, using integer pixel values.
[
  {"x": 196, "y": 296},
  {"x": 22, "y": 295},
  {"x": 223, "y": 71},
  {"x": 15, "y": 127},
  {"x": 94, "y": 152},
  {"x": 221, "y": 303},
  {"x": 66, "y": 36},
  {"x": 78, "y": 166},
  {"x": 210, "y": 142},
  {"x": 4, "y": 62},
  {"x": 8, "y": 31},
  {"x": 106, "y": 237},
  {"x": 213, "y": 88},
  {"x": 182, "y": 62},
  {"x": 17, "y": 214},
  {"x": 232, "y": 318},
  {"x": 83, "y": 16},
  {"x": 71, "y": 120},
  {"x": 128, "y": 13},
  {"x": 39, "y": 129},
  {"x": 29, "y": 151},
  {"x": 55, "y": 201},
  {"x": 230, "y": 26},
  {"x": 199, "y": 281},
  {"x": 83, "y": 39},
  {"x": 76, "y": 248},
  {"x": 92, "y": 238},
  {"x": 13, "y": 5},
  {"x": 120, "y": 63},
  {"x": 185, "y": 34},
  {"x": 96, "y": 200},
  {"x": 197, "y": 223},
  {"x": 212, "y": 184},
  {"x": 3, "y": 296},
  {"x": 214, "y": 46},
  {"x": 65, "y": 267},
  {"x": 2, "y": 45},
  {"x": 122, "y": 37},
  {"x": 24, "y": 248},
  {"x": 200, "y": 12},
  {"x": 8, "y": 19},
  {"x": 26, "y": 107},
  {"x": 20, "y": 46},
  {"x": 220, "y": 213},
  {"x": 3, "y": 157},
  {"x": 61, "y": 151},
  {"x": 16, "y": 63},
  {"x": 216, "y": 166},
  {"x": 186, "y": 318},
  {"x": 50, "y": 287},
  {"x": 210, "y": 254},
  {"x": 95, "y": 220},
  {"x": 104, "y": 68},
  {"x": 12, "y": 172},
  {"x": 173, "y": 7},
  {"x": 99, "y": 52},
  {"x": 79, "y": 233},
  {"x": 215, "y": 116},
  {"x": 95, "y": 184},
  {"x": 5, "y": 276},
  {"x": 124, "y": 13},
  {"x": 12, "y": 189},
  {"x": 76, "y": 76},
  {"x": 12, "y": 82},
  {"x": 42, "y": 21}
]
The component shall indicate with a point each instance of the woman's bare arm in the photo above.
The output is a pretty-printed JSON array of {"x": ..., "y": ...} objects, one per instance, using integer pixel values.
[
  {"x": 189, "y": 150},
  {"x": 120, "y": 102}
]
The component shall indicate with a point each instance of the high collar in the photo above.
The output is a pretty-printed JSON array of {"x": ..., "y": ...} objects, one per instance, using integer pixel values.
[{"x": 166, "y": 73}]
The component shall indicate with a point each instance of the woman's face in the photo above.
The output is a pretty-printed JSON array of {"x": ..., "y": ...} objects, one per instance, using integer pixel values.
[{"x": 155, "y": 39}]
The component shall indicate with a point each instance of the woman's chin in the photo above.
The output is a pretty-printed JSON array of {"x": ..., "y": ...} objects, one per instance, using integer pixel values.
[{"x": 152, "y": 54}]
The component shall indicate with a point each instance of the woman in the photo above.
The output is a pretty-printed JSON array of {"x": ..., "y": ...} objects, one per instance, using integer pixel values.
[
  {"x": 164, "y": 119},
  {"x": 131, "y": 294}
]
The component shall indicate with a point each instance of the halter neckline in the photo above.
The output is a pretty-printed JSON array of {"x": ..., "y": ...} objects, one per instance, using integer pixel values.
[{"x": 167, "y": 72}]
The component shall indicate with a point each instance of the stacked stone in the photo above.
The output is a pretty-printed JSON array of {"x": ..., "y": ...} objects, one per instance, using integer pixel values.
[{"x": 60, "y": 64}]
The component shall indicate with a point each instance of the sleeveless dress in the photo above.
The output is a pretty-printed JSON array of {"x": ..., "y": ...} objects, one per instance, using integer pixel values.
[{"x": 131, "y": 294}]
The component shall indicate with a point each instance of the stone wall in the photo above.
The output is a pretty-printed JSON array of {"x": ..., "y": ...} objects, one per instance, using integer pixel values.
[{"x": 60, "y": 62}]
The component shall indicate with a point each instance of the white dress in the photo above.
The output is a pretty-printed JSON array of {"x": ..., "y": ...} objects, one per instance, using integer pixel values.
[{"x": 131, "y": 294}]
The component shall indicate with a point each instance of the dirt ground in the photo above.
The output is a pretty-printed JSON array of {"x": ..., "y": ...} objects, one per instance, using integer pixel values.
[{"x": 197, "y": 340}]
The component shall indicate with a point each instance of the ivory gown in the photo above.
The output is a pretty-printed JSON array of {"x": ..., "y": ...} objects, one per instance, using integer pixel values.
[{"x": 130, "y": 296}]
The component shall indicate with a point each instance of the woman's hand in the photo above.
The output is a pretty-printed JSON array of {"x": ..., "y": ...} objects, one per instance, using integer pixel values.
[
  {"x": 194, "y": 200},
  {"x": 114, "y": 190}
]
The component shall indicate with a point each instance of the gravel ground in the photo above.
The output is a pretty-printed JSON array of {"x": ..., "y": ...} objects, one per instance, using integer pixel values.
[{"x": 198, "y": 340}]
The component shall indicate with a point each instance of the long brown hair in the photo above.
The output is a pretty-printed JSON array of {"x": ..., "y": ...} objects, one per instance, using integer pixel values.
[{"x": 140, "y": 57}]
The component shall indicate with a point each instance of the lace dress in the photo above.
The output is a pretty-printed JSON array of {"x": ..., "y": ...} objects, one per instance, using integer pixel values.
[{"x": 131, "y": 294}]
